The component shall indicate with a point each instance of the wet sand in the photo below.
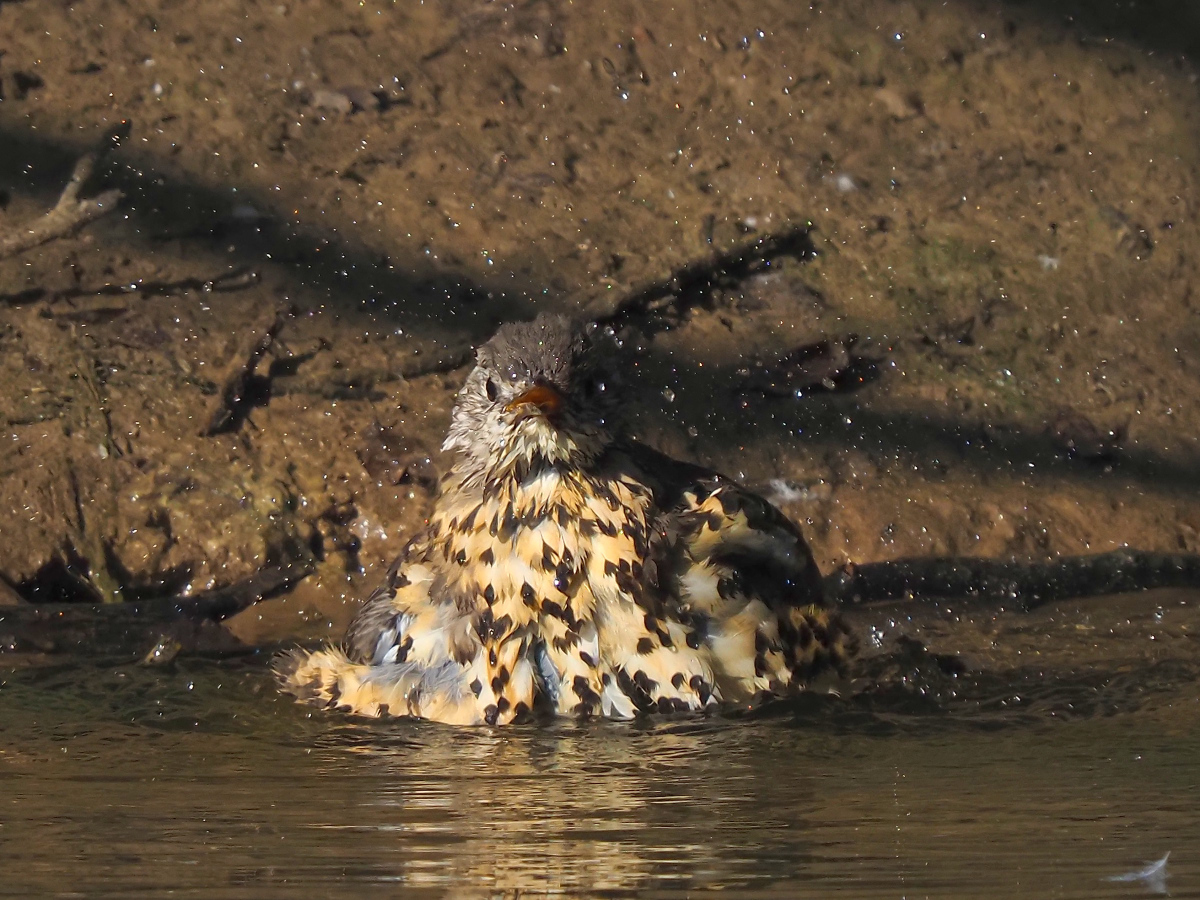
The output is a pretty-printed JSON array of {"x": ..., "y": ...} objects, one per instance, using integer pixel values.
[{"x": 999, "y": 203}]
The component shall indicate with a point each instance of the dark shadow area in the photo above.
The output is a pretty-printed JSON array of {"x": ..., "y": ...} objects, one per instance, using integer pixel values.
[
  {"x": 921, "y": 690},
  {"x": 833, "y": 419},
  {"x": 656, "y": 306},
  {"x": 1164, "y": 26},
  {"x": 442, "y": 310},
  {"x": 63, "y": 618},
  {"x": 451, "y": 313}
]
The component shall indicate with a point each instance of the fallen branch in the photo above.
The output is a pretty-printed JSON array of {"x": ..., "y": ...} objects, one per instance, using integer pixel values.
[
  {"x": 127, "y": 630},
  {"x": 68, "y": 215},
  {"x": 1025, "y": 584},
  {"x": 223, "y": 602}
]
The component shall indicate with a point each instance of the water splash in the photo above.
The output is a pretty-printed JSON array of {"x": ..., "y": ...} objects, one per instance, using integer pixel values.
[{"x": 1154, "y": 875}]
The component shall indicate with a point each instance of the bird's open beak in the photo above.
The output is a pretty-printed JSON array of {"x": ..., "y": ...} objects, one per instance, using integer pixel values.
[{"x": 544, "y": 397}]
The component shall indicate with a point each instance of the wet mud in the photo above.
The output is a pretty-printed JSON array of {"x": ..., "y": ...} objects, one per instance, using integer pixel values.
[{"x": 923, "y": 275}]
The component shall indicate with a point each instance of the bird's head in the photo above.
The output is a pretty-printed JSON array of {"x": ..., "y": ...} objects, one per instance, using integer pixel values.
[{"x": 540, "y": 394}]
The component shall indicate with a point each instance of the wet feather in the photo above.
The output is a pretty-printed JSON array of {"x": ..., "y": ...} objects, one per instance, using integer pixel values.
[{"x": 567, "y": 569}]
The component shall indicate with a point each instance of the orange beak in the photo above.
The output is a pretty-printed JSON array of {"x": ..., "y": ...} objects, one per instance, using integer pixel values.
[{"x": 544, "y": 397}]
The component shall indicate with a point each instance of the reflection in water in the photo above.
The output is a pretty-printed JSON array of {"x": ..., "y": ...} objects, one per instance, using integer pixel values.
[{"x": 578, "y": 809}]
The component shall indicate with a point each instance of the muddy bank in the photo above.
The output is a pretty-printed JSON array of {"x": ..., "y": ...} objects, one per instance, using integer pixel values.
[{"x": 978, "y": 337}]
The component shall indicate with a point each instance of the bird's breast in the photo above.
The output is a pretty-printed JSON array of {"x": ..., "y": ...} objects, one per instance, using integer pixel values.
[{"x": 537, "y": 547}]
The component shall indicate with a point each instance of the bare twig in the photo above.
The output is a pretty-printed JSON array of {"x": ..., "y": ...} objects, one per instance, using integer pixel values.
[{"x": 68, "y": 215}]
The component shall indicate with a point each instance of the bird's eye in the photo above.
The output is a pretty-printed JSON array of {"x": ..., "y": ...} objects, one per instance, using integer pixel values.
[{"x": 491, "y": 390}]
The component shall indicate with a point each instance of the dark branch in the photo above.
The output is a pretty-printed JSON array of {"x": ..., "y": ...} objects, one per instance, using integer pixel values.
[{"x": 1029, "y": 584}]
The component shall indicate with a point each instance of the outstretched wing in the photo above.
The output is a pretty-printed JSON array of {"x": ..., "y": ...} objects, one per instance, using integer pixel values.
[{"x": 742, "y": 575}]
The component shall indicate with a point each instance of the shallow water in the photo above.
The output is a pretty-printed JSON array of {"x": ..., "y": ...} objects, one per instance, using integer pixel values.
[
  {"x": 200, "y": 781},
  {"x": 1003, "y": 197}
]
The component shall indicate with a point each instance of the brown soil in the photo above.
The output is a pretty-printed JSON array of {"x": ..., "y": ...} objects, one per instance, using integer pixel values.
[{"x": 1003, "y": 208}]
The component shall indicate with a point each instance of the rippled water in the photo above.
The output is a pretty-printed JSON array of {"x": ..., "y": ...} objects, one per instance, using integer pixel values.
[{"x": 199, "y": 781}]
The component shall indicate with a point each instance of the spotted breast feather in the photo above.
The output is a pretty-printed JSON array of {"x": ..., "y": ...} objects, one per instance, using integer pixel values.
[{"x": 570, "y": 570}]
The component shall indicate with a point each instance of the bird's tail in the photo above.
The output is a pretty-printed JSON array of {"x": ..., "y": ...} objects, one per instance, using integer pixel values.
[
  {"x": 326, "y": 678},
  {"x": 330, "y": 679}
]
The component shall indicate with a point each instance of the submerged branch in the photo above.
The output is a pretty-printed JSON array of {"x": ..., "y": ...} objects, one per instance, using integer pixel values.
[{"x": 228, "y": 406}]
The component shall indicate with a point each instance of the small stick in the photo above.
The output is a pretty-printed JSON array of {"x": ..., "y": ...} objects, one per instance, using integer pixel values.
[
  {"x": 229, "y": 403},
  {"x": 68, "y": 215}
]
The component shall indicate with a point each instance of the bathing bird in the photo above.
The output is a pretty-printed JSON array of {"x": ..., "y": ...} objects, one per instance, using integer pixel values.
[{"x": 568, "y": 569}]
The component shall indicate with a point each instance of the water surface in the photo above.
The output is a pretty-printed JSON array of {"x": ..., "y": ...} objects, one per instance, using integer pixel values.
[{"x": 199, "y": 781}]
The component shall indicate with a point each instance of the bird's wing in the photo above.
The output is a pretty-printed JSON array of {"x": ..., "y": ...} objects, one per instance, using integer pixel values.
[
  {"x": 707, "y": 518},
  {"x": 411, "y": 650},
  {"x": 740, "y": 573},
  {"x": 404, "y": 620}
]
